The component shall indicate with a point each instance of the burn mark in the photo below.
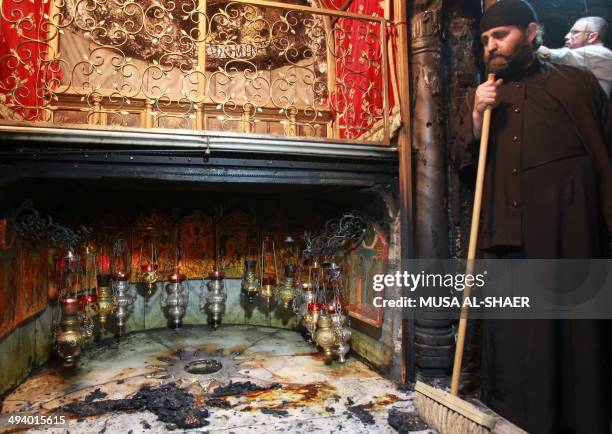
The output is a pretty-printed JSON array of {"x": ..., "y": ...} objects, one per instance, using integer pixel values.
[
  {"x": 275, "y": 411},
  {"x": 171, "y": 405},
  {"x": 361, "y": 412},
  {"x": 218, "y": 402},
  {"x": 405, "y": 422},
  {"x": 96, "y": 394},
  {"x": 242, "y": 388}
]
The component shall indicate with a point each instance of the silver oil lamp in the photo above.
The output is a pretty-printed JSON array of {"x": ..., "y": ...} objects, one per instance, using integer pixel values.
[
  {"x": 175, "y": 299},
  {"x": 213, "y": 300},
  {"x": 122, "y": 297}
]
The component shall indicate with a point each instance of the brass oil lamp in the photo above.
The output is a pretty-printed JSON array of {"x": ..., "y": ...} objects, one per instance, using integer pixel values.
[
  {"x": 285, "y": 290},
  {"x": 149, "y": 267},
  {"x": 106, "y": 303},
  {"x": 149, "y": 275},
  {"x": 324, "y": 336},
  {"x": 268, "y": 269},
  {"x": 311, "y": 318},
  {"x": 250, "y": 283},
  {"x": 69, "y": 333}
]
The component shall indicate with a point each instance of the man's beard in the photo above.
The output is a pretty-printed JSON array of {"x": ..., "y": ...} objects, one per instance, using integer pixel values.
[{"x": 515, "y": 62}]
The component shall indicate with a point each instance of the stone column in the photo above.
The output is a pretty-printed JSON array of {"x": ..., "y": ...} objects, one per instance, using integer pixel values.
[{"x": 433, "y": 338}]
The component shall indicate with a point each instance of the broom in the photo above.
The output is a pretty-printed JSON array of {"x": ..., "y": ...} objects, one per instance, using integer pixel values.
[{"x": 443, "y": 411}]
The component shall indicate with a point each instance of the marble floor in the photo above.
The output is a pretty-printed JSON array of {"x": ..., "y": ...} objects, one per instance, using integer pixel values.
[{"x": 296, "y": 391}]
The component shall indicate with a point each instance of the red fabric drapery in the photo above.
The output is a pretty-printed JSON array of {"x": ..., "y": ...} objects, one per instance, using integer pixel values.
[
  {"x": 358, "y": 99},
  {"x": 335, "y": 4},
  {"x": 24, "y": 67}
]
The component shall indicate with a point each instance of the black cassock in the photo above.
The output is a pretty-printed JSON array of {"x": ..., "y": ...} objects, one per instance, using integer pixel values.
[{"x": 548, "y": 194}]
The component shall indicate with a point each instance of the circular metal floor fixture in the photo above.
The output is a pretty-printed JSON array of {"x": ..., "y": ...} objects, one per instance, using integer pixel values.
[{"x": 203, "y": 366}]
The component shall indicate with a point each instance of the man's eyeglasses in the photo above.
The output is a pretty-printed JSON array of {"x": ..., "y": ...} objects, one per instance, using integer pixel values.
[{"x": 577, "y": 32}]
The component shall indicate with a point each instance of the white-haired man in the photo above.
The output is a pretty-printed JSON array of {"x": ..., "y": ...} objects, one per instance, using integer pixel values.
[{"x": 584, "y": 47}]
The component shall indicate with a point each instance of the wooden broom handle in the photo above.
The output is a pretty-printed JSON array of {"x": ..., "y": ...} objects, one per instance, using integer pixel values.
[{"x": 482, "y": 162}]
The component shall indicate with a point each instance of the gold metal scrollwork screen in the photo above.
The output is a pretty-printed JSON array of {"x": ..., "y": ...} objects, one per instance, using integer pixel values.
[{"x": 241, "y": 66}]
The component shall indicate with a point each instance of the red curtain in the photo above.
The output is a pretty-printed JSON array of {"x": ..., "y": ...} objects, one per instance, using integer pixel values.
[
  {"x": 357, "y": 101},
  {"x": 335, "y": 4},
  {"x": 24, "y": 69}
]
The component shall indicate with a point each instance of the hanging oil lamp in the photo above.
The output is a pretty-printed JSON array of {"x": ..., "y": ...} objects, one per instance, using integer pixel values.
[
  {"x": 307, "y": 296},
  {"x": 88, "y": 300},
  {"x": 340, "y": 326},
  {"x": 69, "y": 333},
  {"x": 290, "y": 252},
  {"x": 311, "y": 318},
  {"x": 212, "y": 293},
  {"x": 343, "y": 335},
  {"x": 324, "y": 336},
  {"x": 106, "y": 303},
  {"x": 216, "y": 297},
  {"x": 285, "y": 290},
  {"x": 250, "y": 283},
  {"x": 149, "y": 267},
  {"x": 268, "y": 269},
  {"x": 176, "y": 298},
  {"x": 123, "y": 300},
  {"x": 122, "y": 297}
]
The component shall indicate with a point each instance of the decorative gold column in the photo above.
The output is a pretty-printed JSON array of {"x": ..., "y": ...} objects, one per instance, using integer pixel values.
[
  {"x": 201, "y": 64},
  {"x": 291, "y": 129},
  {"x": 246, "y": 123}
]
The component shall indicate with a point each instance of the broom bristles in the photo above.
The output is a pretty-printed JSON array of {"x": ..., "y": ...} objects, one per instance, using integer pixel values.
[
  {"x": 449, "y": 414},
  {"x": 445, "y": 420}
]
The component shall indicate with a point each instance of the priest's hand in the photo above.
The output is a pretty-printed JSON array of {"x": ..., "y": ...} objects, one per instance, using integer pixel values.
[{"x": 486, "y": 95}]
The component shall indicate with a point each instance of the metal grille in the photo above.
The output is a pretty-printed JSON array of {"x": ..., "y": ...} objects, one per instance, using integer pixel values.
[{"x": 253, "y": 67}]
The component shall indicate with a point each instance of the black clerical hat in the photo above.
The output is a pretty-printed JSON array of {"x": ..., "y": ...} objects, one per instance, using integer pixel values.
[{"x": 508, "y": 13}]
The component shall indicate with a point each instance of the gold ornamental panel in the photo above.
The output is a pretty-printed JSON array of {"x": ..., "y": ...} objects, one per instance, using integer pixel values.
[{"x": 290, "y": 69}]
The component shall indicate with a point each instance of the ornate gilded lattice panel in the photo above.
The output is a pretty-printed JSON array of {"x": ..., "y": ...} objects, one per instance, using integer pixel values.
[{"x": 279, "y": 68}]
